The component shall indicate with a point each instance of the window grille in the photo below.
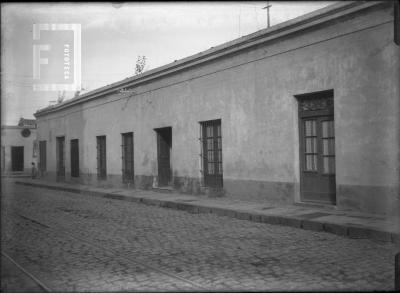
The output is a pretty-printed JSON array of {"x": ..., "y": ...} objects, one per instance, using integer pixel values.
[
  {"x": 127, "y": 157},
  {"x": 211, "y": 153}
]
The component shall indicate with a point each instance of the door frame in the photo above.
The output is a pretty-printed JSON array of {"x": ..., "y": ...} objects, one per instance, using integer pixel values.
[
  {"x": 60, "y": 175},
  {"x": 123, "y": 150},
  {"x": 101, "y": 151},
  {"x": 74, "y": 150},
  {"x": 215, "y": 180},
  {"x": 321, "y": 110},
  {"x": 158, "y": 131},
  {"x": 42, "y": 156},
  {"x": 12, "y": 158}
]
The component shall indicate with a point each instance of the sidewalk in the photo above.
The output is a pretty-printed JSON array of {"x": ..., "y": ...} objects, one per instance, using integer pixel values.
[{"x": 344, "y": 223}]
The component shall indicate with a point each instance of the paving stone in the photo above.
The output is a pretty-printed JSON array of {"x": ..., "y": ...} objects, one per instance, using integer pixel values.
[{"x": 104, "y": 244}]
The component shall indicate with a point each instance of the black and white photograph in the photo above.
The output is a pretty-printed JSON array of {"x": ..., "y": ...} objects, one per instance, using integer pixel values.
[{"x": 243, "y": 146}]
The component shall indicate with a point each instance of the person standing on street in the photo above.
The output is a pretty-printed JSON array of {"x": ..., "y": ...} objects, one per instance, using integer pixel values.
[{"x": 34, "y": 171}]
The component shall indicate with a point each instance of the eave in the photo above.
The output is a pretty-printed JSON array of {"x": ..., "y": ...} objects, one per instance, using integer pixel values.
[{"x": 295, "y": 25}]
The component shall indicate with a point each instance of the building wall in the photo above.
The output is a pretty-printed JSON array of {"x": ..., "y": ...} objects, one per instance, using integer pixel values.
[
  {"x": 10, "y": 137},
  {"x": 253, "y": 94}
]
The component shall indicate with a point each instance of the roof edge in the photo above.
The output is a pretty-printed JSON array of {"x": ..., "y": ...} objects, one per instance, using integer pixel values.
[
  {"x": 297, "y": 24},
  {"x": 17, "y": 127}
]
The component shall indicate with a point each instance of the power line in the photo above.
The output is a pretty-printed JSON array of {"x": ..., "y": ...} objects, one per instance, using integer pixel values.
[{"x": 217, "y": 71}]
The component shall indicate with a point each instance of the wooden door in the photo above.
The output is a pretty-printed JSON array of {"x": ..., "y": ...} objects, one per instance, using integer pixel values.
[
  {"x": 74, "y": 158},
  {"x": 101, "y": 157},
  {"x": 127, "y": 157},
  {"x": 61, "y": 157},
  {"x": 42, "y": 156},
  {"x": 164, "y": 145},
  {"x": 317, "y": 150},
  {"x": 17, "y": 158}
]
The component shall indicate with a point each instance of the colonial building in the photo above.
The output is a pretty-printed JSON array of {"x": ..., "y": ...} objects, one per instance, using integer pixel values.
[
  {"x": 304, "y": 111},
  {"x": 18, "y": 147}
]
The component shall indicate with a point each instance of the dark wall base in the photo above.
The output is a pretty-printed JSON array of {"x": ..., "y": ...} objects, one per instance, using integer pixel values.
[
  {"x": 260, "y": 191},
  {"x": 256, "y": 191},
  {"x": 188, "y": 185},
  {"x": 367, "y": 199},
  {"x": 111, "y": 181},
  {"x": 371, "y": 199}
]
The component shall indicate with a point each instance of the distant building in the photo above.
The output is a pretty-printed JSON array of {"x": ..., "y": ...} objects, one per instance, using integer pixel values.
[
  {"x": 18, "y": 147},
  {"x": 27, "y": 122},
  {"x": 306, "y": 111}
]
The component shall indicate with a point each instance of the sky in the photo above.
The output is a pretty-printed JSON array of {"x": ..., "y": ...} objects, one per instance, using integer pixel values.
[{"x": 113, "y": 35}]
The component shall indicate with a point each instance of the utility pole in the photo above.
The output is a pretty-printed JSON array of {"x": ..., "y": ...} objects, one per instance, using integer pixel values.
[{"x": 267, "y": 7}]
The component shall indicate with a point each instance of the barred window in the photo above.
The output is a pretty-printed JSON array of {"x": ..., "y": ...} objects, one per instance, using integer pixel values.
[{"x": 212, "y": 153}]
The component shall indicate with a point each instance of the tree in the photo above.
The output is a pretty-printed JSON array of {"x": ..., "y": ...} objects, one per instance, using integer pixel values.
[
  {"x": 140, "y": 64},
  {"x": 78, "y": 92},
  {"x": 61, "y": 97}
]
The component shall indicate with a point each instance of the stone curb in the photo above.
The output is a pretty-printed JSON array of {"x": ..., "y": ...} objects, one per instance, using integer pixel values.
[{"x": 350, "y": 231}]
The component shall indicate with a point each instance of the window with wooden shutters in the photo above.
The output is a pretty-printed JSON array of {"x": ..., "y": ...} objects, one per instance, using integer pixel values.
[
  {"x": 74, "y": 158},
  {"x": 101, "y": 157},
  {"x": 212, "y": 153}
]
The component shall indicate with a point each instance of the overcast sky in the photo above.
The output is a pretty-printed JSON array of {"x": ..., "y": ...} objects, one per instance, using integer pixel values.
[{"x": 113, "y": 35}]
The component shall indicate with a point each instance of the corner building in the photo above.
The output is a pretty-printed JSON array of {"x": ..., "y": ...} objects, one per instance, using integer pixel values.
[{"x": 305, "y": 111}]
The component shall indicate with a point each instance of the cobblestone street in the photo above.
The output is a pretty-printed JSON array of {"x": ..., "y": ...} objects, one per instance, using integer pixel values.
[{"x": 75, "y": 242}]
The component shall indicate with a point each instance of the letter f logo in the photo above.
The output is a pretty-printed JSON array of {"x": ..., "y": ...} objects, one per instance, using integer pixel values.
[{"x": 37, "y": 61}]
